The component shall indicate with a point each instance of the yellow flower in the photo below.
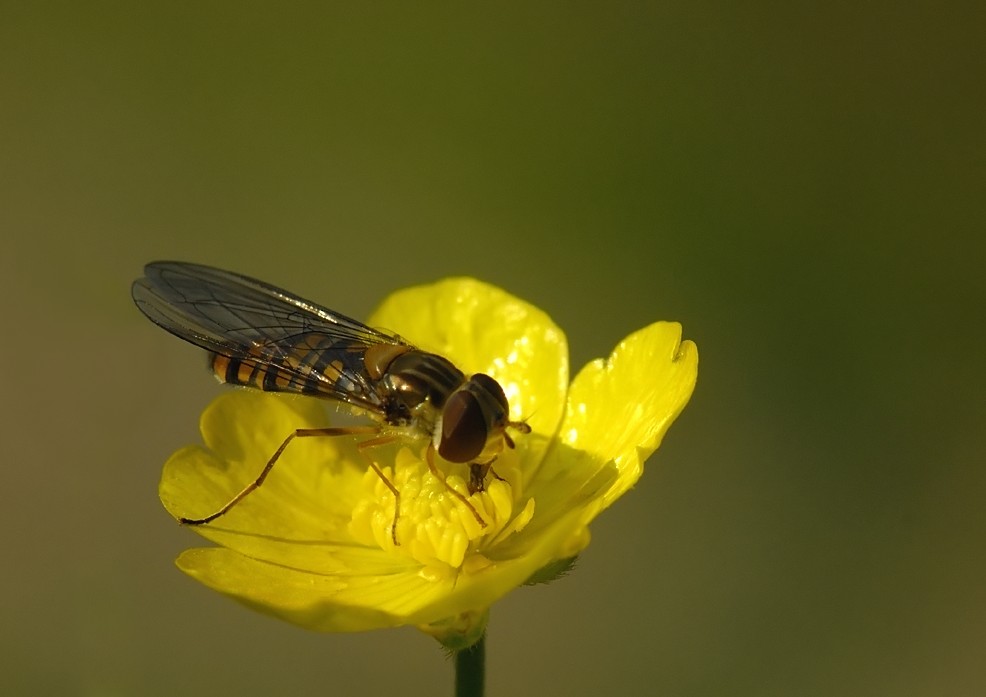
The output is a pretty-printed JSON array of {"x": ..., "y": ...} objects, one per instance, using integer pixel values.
[{"x": 313, "y": 545}]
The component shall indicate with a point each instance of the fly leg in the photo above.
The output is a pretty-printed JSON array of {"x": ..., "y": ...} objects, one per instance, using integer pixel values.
[
  {"x": 373, "y": 443},
  {"x": 430, "y": 457},
  {"x": 330, "y": 432}
]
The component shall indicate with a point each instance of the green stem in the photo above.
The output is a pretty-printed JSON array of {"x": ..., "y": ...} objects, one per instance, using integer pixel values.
[{"x": 470, "y": 669}]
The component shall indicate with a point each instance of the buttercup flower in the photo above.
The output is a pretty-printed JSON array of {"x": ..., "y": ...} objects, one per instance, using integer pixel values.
[{"x": 314, "y": 545}]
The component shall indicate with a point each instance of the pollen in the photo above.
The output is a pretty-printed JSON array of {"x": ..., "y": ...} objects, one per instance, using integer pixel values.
[{"x": 434, "y": 527}]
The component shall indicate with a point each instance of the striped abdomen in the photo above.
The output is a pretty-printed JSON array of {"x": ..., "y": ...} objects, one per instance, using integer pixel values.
[{"x": 315, "y": 364}]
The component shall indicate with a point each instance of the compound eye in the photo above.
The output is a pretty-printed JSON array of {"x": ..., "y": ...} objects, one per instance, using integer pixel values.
[
  {"x": 491, "y": 386},
  {"x": 464, "y": 428}
]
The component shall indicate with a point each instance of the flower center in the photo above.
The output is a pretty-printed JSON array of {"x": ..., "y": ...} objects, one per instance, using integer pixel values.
[{"x": 435, "y": 527}]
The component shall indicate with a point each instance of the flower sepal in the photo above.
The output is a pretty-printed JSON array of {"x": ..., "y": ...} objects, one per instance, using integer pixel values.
[
  {"x": 459, "y": 632},
  {"x": 553, "y": 571}
]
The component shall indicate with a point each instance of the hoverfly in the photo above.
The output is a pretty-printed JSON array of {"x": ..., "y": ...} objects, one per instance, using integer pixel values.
[{"x": 263, "y": 337}]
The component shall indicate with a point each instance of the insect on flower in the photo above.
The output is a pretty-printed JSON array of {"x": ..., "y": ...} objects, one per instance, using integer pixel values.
[{"x": 264, "y": 337}]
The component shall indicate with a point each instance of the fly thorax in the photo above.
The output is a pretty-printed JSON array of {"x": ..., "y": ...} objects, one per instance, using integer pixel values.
[
  {"x": 417, "y": 385},
  {"x": 473, "y": 422}
]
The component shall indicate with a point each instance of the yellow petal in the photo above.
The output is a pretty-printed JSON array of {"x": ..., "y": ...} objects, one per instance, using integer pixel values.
[
  {"x": 619, "y": 409},
  {"x": 299, "y": 597},
  {"x": 300, "y": 516}
]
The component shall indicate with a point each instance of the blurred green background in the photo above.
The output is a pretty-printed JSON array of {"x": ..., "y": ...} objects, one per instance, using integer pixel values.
[{"x": 801, "y": 185}]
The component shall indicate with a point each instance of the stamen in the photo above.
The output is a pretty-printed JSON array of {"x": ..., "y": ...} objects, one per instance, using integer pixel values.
[{"x": 434, "y": 528}]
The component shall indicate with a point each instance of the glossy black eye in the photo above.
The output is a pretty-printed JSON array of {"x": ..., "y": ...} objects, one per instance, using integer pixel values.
[{"x": 463, "y": 428}]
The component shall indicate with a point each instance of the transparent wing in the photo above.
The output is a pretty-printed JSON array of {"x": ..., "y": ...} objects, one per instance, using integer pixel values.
[{"x": 245, "y": 319}]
